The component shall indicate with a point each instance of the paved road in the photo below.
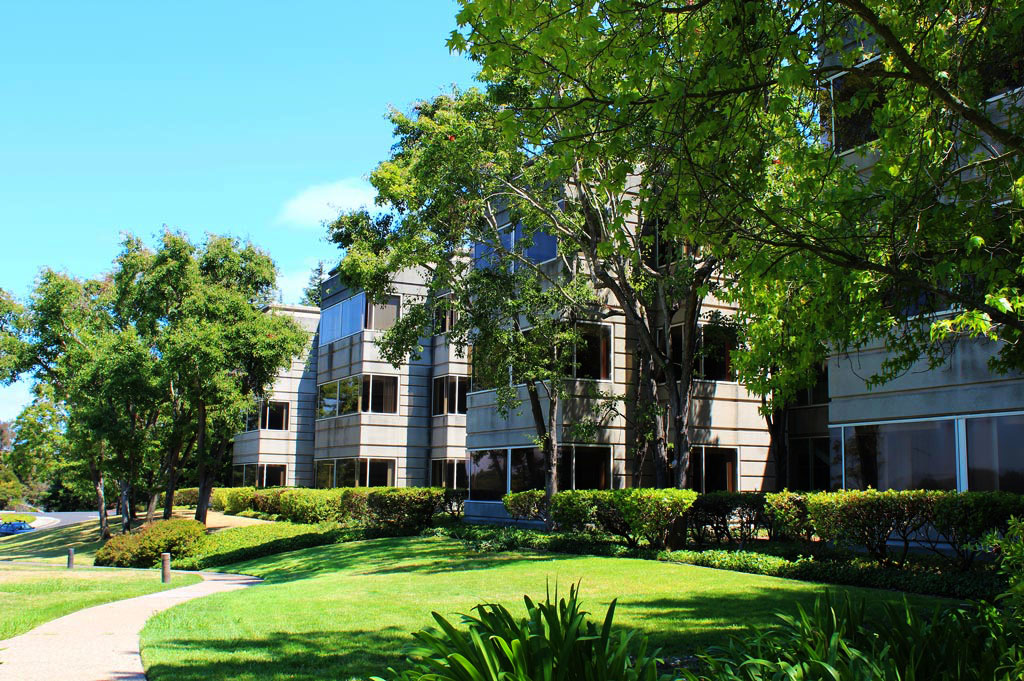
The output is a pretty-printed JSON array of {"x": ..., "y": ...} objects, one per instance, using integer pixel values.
[
  {"x": 63, "y": 518},
  {"x": 99, "y": 643}
]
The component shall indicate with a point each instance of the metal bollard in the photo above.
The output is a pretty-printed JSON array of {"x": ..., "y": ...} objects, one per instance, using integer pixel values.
[
  {"x": 165, "y": 565},
  {"x": 71, "y": 559}
]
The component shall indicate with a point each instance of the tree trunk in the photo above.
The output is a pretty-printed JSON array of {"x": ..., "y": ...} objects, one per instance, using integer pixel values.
[
  {"x": 201, "y": 447},
  {"x": 551, "y": 456},
  {"x": 154, "y": 499},
  {"x": 776, "y": 423},
  {"x": 172, "y": 479},
  {"x": 545, "y": 437},
  {"x": 101, "y": 501},
  {"x": 125, "y": 504}
]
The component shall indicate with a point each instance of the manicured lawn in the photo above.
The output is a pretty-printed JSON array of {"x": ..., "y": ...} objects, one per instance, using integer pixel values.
[
  {"x": 32, "y": 595},
  {"x": 51, "y": 546},
  {"x": 347, "y": 610}
]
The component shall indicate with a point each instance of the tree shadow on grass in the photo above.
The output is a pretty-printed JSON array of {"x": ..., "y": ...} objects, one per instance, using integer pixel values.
[
  {"x": 382, "y": 557},
  {"x": 279, "y": 655}
]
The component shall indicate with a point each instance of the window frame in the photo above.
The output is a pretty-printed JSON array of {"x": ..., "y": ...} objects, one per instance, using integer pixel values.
[
  {"x": 334, "y": 462},
  {"x": 508, "y": 466},
  {"x": 446, "y": 392},
  {"x": 360, "y": 380}
]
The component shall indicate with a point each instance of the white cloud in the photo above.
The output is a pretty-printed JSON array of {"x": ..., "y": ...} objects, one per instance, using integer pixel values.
[
  {"x": 13, "y": 399},
  {"x": 313, "y": 206}
]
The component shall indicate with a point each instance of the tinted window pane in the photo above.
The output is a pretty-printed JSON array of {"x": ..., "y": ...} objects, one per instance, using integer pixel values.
[
  {"x": 237, "y": 475},
  {"x": 440, "y": 393},
  {"x": 901, "y": 456},
  {"x": 381, "y": 473},
  {"x": 383, "y": 395},
  {"x": 348, "y": 395},
  {"x": 277, "y": 416},
  {"x": 462, "y": 406},
  {"x": 345, "y": 470},
  {"x": 353, "y": 312},
  {"x": 541, "y": 247},
  {"x": 719, "y": 469},
  {"x": 384, "y": 316},
  {"x": 696, "y": 468},
  {"x": 487, "y": 474},
  {"x": 324, "y": 474},
  {"x": 995, "y": 453},
  {"x": 676, "y": 336},
  {"x": 593, "y": 354},
  {"x": 717, "y": 342},
  {"x": 593, "y": 467},
  {"x": 330, "y": 324},
  {"x": 564, "y": 468},
  {"x": 249, "y": 475},
  {"x": 437, "y": 473},
  {"x": 367, "y": 393},
  {"x": 327, "y": 404},
  {"x": 527, "y": 469},
  {"x": 275, "y": 475}
]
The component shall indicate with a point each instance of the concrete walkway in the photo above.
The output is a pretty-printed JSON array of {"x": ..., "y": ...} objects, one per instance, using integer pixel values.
[{"x": 99, "y": 643}]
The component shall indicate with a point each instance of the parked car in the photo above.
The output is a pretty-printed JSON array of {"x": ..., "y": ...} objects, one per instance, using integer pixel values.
[{"x": 19, "y": 527}]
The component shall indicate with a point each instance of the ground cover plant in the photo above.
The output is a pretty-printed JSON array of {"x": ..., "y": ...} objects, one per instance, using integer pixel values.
[
  {"x": 16, "y": 518},
  {"x": 349, "y": 610},
  {"x": 31, "y": 595}
]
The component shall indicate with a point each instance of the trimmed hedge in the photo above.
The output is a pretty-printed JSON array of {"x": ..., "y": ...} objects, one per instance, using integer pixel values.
[
  {"x": 142, "y": 548},
  {"x": 726, "y": 516},
  {"x": 255, "y": 541},
  {"x": 786, "y": 516},
  {"x": 396, "y": 511},
  {"x": 634, "y": 514},
  {"x": 531, "y": 504}
]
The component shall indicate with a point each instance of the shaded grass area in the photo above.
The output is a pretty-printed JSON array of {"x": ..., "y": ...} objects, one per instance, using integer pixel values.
[
  {"x": 51, "y": 546},
  {"x": 348, "y": 610},
  {"x": 31, "y": 595}
]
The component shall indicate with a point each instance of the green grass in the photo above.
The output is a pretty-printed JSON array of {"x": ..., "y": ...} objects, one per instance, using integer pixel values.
[
  {"x": 51, "y": 546},
  {"x": 348, "y": 610},
  {"x": 16, "y": 518},
  {"x": 31, "y": 595}
]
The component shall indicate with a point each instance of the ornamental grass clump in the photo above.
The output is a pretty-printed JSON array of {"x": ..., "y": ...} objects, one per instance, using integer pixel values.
[{"x": 556, "y": 640}]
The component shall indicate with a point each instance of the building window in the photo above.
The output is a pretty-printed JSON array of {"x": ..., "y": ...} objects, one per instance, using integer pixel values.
[
  {"x": 537, "y": 247},
  {"x": 449, "y": 395},
  {"x": 594, "y": 352},
  {"x": 259, "y": 475},
  {"x": 382, "y": 317},
  {"x": 493, "y": 472},
  {"x": 488, "y": 474},
  {"x": 817, "y": 393},
  {"x": 380, "y": 394},
  {"x": 377, "y": 394},
  {"x": 355, "y": 472},
  {"x": 344, "y": 319},
  {"x": 445, "y": 315},
  {"x": 848, "y": 110},
  {"x": 808, "y": 464},
  {"x": 449, "y": 473},
  {"x": 712, "y": 359},
  {"x": 917, "y": 455},
  {"x": 995, "y": 453},
  {"x": 714, "y": 469},
  {"x": 267, "y": 416},
  {"x": 584, "y": 467}
]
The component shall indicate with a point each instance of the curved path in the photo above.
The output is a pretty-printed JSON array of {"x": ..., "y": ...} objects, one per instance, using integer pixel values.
[{"x": 100, "y": 643}]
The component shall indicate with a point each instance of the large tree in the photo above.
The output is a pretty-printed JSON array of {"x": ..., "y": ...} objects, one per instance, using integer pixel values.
[{"x": 745, "y": 109}]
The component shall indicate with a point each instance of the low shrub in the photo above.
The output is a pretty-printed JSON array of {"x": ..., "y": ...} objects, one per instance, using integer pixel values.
[
  {"x": 397, "y": 511},
  {"x": 529, "y": 505},
  {"x": 219, "y": 499},
  {"x": 354, "y": 506},
  {"x": 239, "y": 499},
  {"x": 311, "y": 506},
  {"x": 268, "y": 500},
  {"x": 455, "y": 502},
  {"x": 962, "y": 520},
  {"x": 786, "y": 515},
  {"x": 255, "y": 541},
  {"x": 574, "y": 510},
  {"x": 11, "y": 490},
  {"x": 186, "y": 496},
  {"x": 142, "y": 548},
  {"x": 639, "y": 513},
  {"x": 555, "y": 636},
  {"x": 737, "y": 561}
]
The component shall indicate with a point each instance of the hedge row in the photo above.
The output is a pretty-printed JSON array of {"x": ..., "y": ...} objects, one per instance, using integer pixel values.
[
  {"x": 634, "y": 514},
  {"x": 384, "y": 510},
  {"x": 945, "y": 522},
  {"x": 142, "y": 548}
]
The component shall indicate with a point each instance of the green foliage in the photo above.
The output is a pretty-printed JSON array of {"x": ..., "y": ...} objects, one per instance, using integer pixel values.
[
  {"x": 527, "y": 505},
  {"x": 219, "y": 498},
  {"x": 11, "y": 489},
  {"x": 726, "y": 516},
  {"x": 238, "y": 499},
  {"x": 638, "y": 513},
  {"x": 787, "y": 515},
  {"x": 962, "y": 520},
  {"x": 574, "y": 510},
  {"x": 556, "y": 639},
  {"x": 142, "y": 548},
  {"x": 268, "y": 501},
  {"x": 397, "y": 511},
  {"x": 839, "y": 638},
  {"x": 189, "y": 496},
  {"x": 869, "y": 518},
  {"x": 16, "y": 518},
  {"x": 254, "y": 541}
]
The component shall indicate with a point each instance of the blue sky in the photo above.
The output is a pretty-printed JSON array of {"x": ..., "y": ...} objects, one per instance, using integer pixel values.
[{"x": 255, "y": 119}]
